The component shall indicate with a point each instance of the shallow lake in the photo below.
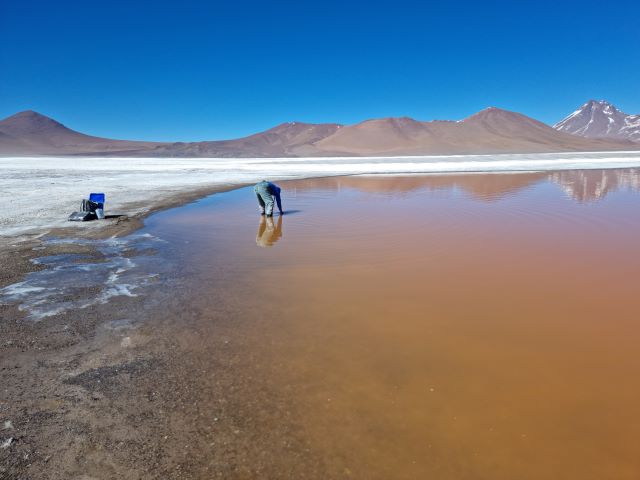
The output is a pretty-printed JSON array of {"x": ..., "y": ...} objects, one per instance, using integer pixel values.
[
  {"x": 453, "y": 326},
  {"x": 444, "y": 326}
]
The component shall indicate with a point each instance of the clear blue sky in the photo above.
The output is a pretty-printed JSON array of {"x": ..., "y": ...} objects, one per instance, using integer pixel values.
[{"x": 188, "y": 70}]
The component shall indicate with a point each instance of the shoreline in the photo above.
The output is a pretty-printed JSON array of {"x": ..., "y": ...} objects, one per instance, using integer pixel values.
[
  {"x": 17, "y": 251},
  {"x": 58, "y": 372},
  {"x": 137, "y": 187},
  {"x": 46, "y": 399},
  {"x": 329, "y": 157}
]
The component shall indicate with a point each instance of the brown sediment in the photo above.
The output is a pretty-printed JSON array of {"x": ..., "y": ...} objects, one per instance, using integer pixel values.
[{"x": 422, "y": 333}]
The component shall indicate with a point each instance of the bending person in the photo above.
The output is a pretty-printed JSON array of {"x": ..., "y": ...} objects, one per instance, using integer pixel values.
[{"x": 267, "y": 193}]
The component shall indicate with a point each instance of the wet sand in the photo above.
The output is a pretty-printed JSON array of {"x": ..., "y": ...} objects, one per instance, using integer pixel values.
[{"x": 452, "y": 326}]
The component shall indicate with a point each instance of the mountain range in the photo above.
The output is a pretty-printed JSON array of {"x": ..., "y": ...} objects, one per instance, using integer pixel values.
[{"x": 492, "y": 130}]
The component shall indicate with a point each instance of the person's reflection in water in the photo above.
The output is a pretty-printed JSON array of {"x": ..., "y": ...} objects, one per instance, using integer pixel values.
[{"x": 269, "y": 232}]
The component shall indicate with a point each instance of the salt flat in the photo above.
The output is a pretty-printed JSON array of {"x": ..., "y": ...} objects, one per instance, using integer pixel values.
[{"x": 38, "y": 193}]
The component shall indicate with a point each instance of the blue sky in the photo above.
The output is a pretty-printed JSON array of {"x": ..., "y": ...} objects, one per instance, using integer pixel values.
[{"x": 193, "y": 70}]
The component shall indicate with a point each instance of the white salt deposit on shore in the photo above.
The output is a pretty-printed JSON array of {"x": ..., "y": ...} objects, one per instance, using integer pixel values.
[
  {"x": 39, "y": 193},
  {"x": 76, "y": 281}
]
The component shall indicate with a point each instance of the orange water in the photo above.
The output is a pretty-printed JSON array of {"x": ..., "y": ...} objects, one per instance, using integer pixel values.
[{"x": 447, "y": 327}]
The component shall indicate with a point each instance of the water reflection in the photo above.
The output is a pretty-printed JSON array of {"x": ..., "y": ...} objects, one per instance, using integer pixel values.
[
  {"x": 579, "y": 185},
  {"x": 269, "y": 232},
  {"x": 593, "y": 185}
]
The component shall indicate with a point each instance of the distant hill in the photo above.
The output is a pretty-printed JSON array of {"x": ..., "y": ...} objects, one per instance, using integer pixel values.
[
  {"x": 600, "y": 119},
  {"x": 30, "y": 133},
  {"x": 489, "y": 131},
  {"x": 285, "y": 140}
]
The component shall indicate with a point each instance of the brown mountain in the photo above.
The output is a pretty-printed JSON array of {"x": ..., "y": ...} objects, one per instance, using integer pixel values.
[
  {"x": 490, "y": 131},
  {"x": 292, "y": 139},
  {"x": 29, "y": 132}
]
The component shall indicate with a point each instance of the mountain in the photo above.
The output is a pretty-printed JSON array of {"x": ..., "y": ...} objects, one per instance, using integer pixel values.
[
  {"x": 489, "y": 131},
  {"x": 600, "y": 119},
  {"x": 492, "y": 130},
  {"x": 29, "y": 132},
  {"x": 285, "y": 140}
]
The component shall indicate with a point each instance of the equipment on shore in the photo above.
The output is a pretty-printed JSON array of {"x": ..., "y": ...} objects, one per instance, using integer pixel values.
[
  {"x": 91, "y": 209},
  {"x": 81, "y": 216}
]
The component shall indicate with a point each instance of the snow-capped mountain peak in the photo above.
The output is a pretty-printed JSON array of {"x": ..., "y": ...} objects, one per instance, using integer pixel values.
[{"x": 601, "y": 119}]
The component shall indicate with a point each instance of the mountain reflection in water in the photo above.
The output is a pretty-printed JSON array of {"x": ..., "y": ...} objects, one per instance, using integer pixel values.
[{"x": 580, "y": 185}]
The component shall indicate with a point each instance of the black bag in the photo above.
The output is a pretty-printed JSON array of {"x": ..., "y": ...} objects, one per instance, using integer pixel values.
[
  {"x": 82, "y": 216},
  {"x": 89, "y": 206}
]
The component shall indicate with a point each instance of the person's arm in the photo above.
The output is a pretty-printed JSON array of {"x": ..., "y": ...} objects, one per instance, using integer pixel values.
[{"x": 278, "y": 200}]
